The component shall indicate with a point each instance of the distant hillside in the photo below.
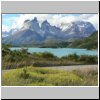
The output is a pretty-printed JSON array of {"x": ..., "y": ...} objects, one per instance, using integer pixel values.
[{"x": 90, "y": 42}]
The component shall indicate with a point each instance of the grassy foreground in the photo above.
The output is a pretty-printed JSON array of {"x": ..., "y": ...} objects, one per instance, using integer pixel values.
[{"x": 32, "y": 76}]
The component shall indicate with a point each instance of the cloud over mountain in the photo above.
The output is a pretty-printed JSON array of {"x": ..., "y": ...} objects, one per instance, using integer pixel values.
[{"x": 58, "y": 20}]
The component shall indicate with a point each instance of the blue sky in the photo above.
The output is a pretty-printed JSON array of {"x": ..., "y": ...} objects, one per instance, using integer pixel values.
[{"x": 10, "y": 21}]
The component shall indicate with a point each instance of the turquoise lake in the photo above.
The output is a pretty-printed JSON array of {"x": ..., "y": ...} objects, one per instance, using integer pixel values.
[{"x": 59, "y": 52}]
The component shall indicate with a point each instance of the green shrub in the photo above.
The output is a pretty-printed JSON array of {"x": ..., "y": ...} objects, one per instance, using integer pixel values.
[
  {"x": 73, "y": 57},
  {"x": 24, "y": 74},
  {"x": 88, "y": 59}
]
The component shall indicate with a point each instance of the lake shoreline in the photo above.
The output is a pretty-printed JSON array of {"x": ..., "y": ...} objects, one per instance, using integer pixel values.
[{"x": 59, "y": 52}]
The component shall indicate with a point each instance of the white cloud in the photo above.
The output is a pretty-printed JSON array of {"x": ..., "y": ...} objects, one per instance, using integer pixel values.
[
  {"x": 85, "y": 16},
  {"x": 18, "y": 21},
  {"x": 93, "y": 18},
  {"x": 5, "y": 28},
  {"x": 56, "y": 19}
]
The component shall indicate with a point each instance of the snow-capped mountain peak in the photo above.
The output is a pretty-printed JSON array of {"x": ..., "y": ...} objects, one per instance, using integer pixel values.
[{"x": 31, "y": 31}]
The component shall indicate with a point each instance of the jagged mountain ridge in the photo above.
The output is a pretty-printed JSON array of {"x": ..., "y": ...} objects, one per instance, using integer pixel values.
[{"x": 32, "y": 33}]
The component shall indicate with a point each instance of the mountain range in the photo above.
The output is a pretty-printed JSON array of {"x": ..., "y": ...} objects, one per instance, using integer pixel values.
[{"x": 32, "y": 33}]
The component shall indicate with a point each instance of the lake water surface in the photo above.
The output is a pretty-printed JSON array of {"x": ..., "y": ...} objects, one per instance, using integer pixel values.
[{"x": 59, "y": 52}]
